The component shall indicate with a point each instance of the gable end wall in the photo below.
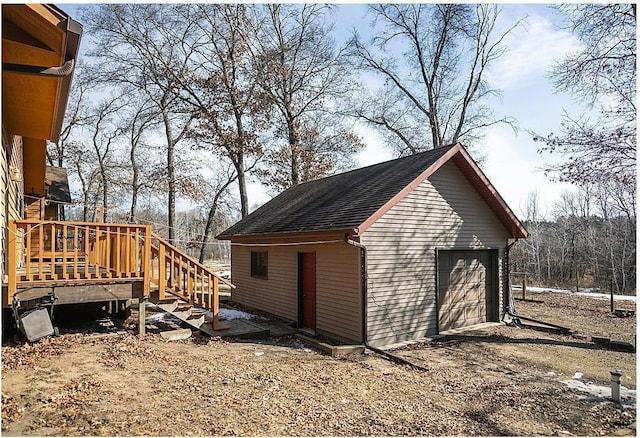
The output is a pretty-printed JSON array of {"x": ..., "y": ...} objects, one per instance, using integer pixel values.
[{"x": 443, "y": 212}]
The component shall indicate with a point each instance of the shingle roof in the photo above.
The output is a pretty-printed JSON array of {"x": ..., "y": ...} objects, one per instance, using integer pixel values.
[
  {"x": 57, "y": 184},
  {"x": 336, "y": 203}
]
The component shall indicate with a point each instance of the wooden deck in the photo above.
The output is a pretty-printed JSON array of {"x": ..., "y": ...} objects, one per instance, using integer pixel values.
[{"x": 87, "y": 262}]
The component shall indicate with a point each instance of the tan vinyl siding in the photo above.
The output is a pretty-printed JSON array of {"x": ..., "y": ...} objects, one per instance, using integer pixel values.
[
  {"x": 443, "y": 212},
  {"x": 337, "y": 285},
  {"x": 11, "y": 196}
]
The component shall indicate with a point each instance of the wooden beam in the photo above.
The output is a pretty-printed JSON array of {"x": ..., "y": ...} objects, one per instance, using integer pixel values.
[
  {"x": 216, "y": 306},
  {"x": 142, "y": 317},
  {"x": 12, "y": 262},
  {"x": 162, "y": 271},
  {"x": 86, "y": 293},
  {"x": 35, "y": 155},
  {"x": 146, "y": 261}
]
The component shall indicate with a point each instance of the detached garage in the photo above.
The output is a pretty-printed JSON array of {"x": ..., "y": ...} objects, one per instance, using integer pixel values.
[{"x": 397, "y": 251}]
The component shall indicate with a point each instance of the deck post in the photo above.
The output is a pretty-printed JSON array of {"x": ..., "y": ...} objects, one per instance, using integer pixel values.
[
  {"x": 215, "y": 308},
  {"x": 162, "y": 271},
  {"x": 146, "y": 261},
  {"x": 142, "y": 317},
  {"x": 12, "y": 262}
]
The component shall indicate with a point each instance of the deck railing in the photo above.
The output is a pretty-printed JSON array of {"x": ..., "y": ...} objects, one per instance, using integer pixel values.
[
  {"x": 42, "y": 253},
  {"x": 45, "y": 252}
]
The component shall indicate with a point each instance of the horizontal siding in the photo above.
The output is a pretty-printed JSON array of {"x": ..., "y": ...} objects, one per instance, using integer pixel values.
[
  {"x": 277, "y": 294},
  {"x": 443, "y": 212},
  {"x": 338, "y": 293},
  {"x": 10, "y": 202},
  {"x": 4, "y": 179}
]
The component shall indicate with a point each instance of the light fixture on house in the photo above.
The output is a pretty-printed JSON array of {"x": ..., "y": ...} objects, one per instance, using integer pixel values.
[{"x": 15, "y": 174}]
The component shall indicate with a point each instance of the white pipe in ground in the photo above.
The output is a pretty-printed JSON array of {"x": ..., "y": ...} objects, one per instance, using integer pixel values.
[{"x": 615, "y": 385}]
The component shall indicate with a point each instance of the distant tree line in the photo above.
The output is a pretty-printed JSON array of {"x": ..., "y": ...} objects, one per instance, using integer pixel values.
[{"x": 587, "y": 240}]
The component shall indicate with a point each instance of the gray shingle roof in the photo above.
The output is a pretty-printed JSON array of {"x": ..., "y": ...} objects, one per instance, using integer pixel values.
[
  {"x": 338, "y": 202},
  {"x": 57, "y": 185}
]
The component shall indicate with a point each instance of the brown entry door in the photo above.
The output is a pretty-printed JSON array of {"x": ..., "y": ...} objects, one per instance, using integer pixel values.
[{"x": 307, "y": 270}]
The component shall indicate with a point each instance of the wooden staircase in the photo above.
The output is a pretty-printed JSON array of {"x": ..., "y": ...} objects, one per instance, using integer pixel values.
[{"x": 175, "y": 273}]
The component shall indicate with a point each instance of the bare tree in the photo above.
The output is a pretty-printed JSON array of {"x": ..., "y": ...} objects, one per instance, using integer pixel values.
[
  {"x": 301, "y": 76},
  {"x": 223, "y": 86},
  {"x": 75, "y": 117},
  {"x": 141, "y": 117},
  {"x": 104, "y": 131},
  {"x": 145, "y": 46},
  {"x": 432, "y": 59},
  {"x": 83, "y": 165},
  {"x": 602, "y": 76},
  {"x": 216, "y": 191}
]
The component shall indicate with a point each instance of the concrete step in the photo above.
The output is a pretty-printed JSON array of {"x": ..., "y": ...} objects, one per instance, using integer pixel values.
[
  {"x": 176, "y": 335},
  {"x": 168, "y": 305},
  {"x": 195, "y": 320}
]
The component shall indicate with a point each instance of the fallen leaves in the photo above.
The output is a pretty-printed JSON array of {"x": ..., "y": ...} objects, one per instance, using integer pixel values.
[{"x": 129, "y": 385}]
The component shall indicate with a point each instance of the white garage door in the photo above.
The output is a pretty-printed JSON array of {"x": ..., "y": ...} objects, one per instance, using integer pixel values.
[{"x": 466, "y": 288}]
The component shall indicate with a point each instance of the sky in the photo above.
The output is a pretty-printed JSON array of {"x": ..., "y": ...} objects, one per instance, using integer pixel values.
[{"x": 512, "y": 162}]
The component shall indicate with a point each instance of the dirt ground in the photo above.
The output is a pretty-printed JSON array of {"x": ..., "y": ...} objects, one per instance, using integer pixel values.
[{"x": 495, "y": 381}]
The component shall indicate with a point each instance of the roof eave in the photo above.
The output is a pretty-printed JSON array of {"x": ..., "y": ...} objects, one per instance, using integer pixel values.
[
  {"x": 287, "y": 234},
  {"x": 74, "y": 34}
]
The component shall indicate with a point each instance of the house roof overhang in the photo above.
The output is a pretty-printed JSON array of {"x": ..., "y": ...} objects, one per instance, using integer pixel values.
[
  {"x": 40, "y": 44},
  {"x": 459, "y": 155}
]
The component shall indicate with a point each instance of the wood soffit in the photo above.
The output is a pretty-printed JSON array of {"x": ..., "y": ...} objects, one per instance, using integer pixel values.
[{"x": 40, "y": 36}]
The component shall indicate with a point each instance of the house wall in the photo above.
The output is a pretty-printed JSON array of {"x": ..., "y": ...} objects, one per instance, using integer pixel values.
[
  {"x": 12, "y": 192},
  {"x": 443, "y": 212},
  {"x": 338, "y": 293}
]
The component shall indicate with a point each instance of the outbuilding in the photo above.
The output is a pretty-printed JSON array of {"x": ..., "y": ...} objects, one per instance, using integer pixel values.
[{"x": 388, "y": 253}]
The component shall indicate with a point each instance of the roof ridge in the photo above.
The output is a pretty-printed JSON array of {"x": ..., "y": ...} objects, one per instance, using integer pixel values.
[{"x": 369, "y": 166}]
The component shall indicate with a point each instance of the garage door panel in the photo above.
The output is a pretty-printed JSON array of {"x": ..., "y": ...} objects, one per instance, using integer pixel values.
[{"x": 464, "y": 285}]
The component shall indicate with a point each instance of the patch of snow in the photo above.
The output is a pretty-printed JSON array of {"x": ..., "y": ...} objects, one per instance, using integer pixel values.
[
  {"x": 224, "y": 274},
  {"x": 603, "y": 393},
  {"x": 589, "y": 292},
  {"x": 229, "y": 314},
  {"x": 577, "y": 376},
  {"x": 551, "y": 373},
  {"x": 543, "y": 289},
  {"x": 608, "y": 296},
  {"x": 155, "y": 316},
  {"x": 258, "y": 353}
]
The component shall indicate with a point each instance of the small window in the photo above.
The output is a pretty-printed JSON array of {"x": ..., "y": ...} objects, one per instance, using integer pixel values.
[{"x": 259, "y": 264}]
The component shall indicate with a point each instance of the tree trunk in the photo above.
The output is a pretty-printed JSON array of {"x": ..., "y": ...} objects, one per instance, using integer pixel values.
[
  {"x": 242, "y": 185},
  {"x": 207, "y": 230},
  {"x": 171, "y": 207},
  {"x": 134, "y": 186},
  {"x": 293, "y": 146}
]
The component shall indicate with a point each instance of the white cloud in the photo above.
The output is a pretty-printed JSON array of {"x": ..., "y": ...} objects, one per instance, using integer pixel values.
[{"x": 532, "y": 49}]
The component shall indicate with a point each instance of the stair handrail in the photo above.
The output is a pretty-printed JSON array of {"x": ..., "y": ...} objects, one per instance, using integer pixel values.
[{"x": 191, "y": 259}]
